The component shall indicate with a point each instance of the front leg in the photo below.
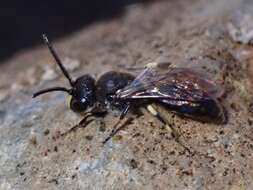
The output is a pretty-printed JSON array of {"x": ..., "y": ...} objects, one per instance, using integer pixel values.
[
  {"x": 82, "y": 124},
  {"x": 97, "y": 111}
]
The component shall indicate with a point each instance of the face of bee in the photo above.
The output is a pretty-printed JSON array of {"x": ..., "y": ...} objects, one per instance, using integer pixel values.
[{"x": 83, "y": 94}]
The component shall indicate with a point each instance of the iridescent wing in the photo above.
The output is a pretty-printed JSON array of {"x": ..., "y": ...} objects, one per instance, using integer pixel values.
[
  {"x": 181, "y": 90},
  {"x": 166, "y": 82}
]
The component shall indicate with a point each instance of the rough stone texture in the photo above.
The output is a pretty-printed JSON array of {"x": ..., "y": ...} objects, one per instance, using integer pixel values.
[{"x": 33, "y": 155}]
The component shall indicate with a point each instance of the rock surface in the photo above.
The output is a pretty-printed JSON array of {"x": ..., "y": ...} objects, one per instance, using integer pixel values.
[{"x": 33, "y": 155}]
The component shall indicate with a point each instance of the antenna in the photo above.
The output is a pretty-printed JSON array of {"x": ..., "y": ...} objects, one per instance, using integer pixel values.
[
  {"x": 50, "y": 90},
  {"x": 57, "y": 59}
]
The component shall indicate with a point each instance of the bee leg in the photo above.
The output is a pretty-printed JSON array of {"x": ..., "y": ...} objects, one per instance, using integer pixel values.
[
  {"x": 168, "y": 126},
  {"x": 115, "y": 129},
  {"x": 97, "y": 111},
  {"x": 82, "y": 124},
  {"x": 163, "y": 120}
]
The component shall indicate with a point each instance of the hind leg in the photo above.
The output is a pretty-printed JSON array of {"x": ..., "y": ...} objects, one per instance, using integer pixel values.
[{"x": 168, "y": 125}]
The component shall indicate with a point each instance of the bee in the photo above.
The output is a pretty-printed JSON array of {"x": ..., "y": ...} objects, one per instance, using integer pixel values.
[{"x": 180, "y": 90}]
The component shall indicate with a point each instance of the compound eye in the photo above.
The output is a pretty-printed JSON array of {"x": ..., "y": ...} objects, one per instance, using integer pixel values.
[{"x": 78, "y": 106}]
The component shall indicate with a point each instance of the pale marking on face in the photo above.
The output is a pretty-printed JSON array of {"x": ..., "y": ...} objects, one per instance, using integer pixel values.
[{"x": 69, "y": 97}]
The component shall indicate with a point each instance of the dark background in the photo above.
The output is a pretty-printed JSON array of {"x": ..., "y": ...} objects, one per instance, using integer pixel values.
[{"x": 23, "y": 22}]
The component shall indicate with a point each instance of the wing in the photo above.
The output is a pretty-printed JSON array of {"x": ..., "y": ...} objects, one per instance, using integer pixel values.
[{"x": 165, "y": 82}]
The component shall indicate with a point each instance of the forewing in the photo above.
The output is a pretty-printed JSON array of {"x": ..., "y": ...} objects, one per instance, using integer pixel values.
[{"x": 170, "y": 83}]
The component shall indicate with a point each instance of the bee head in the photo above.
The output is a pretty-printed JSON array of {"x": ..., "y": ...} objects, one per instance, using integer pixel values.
[
  {"x": 82, "y": 94},
  {"x": 82, "y": 91}
]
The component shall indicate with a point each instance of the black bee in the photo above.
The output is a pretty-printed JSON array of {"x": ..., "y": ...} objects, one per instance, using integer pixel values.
[{"x": 180, "y": 90}]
